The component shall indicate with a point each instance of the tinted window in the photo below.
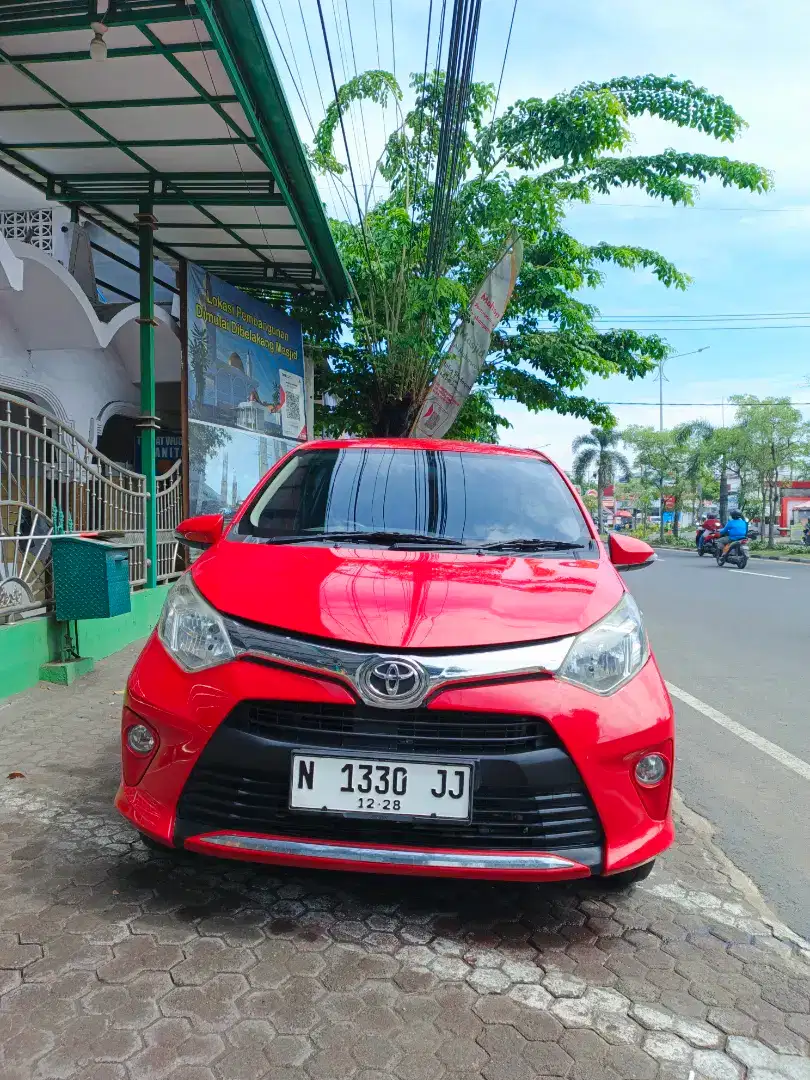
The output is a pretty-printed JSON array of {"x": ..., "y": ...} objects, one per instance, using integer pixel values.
[{"x": 464, "y": 496}]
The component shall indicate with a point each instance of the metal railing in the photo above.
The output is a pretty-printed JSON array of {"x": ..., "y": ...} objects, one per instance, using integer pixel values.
[
  {"x": 53, "y": 481},
  {"x": 169, "y": 516}
]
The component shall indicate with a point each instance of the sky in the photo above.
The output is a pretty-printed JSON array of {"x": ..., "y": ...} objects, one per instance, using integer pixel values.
[{"x": 747, "y": 254}]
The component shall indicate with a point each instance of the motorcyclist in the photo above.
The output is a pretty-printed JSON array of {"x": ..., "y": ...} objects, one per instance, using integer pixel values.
[
  {"x": 736, "y": 528},
  {"x": 709, "y": 525}
]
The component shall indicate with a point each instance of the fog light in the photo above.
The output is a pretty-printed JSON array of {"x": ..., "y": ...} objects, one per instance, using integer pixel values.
[
  {"x": 651, "y": 770},
  {"x": 141, "y": 740}
]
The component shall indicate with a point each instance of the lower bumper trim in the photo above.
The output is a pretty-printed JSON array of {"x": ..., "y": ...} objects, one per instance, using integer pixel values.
[{"x": 389, "y": 856}]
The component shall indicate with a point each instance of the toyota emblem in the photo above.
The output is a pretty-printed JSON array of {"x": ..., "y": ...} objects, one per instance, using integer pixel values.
[{"x": 394, "y": 683}]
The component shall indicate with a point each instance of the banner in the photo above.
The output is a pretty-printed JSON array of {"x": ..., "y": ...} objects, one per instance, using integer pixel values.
[
  {"x": 246, "y": 396},
  {"x": 462, "y": 364}
]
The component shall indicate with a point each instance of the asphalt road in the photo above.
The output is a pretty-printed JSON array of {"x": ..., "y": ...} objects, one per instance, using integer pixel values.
[{"x": 737, "y": 646}]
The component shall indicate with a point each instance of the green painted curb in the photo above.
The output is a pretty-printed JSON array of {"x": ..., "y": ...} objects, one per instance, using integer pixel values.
[
  {"x": 28, "y": 645},
  {"x": 64, "y": 672}
]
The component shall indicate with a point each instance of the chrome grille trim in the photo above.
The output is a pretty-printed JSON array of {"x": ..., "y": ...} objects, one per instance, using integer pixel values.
[
  {"x": 457, "y": 860},
  {"x": 440, "y": 671}
]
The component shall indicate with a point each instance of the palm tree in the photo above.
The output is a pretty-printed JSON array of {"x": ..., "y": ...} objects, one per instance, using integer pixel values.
[{"x": 596, "y": 454}]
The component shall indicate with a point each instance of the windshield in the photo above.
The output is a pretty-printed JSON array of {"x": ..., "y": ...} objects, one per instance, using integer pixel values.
[{"x": 470, "y": 498}]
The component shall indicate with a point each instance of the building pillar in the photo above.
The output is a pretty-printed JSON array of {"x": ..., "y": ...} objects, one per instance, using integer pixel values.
[{"x": 148, "y": 422}]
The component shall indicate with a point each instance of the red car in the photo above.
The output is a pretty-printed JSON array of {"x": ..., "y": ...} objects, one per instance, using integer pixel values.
[{"x": 406, "y": 657}]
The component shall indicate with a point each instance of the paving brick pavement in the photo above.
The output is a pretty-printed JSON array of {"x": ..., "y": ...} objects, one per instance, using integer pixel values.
[{"x": 117, "y": 964}]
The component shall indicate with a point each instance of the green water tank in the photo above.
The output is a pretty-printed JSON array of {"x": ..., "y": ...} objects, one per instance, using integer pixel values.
[{"x": 90, "y": 578}]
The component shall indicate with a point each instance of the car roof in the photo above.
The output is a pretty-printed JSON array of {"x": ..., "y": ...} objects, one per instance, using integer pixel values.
[{"x": 440, "y": 445}]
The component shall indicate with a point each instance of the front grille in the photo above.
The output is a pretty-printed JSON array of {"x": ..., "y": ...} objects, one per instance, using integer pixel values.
[
  {"x": 417, "y": 731},
  {"x": 528, "y": 794},
  {"x": 246, "y": 801}
]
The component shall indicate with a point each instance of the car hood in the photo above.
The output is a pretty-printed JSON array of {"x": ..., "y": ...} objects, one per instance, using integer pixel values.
[{"x": 406, "y": 599}]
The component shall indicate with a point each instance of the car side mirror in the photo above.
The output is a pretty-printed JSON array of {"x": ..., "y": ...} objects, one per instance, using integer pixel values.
[
  {"x": 628, "y": 553},
  {"x": 200, "y": 532}
]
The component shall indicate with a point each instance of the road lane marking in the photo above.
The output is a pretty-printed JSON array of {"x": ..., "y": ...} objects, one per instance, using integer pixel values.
[
  {"x": 790, "y": 761},
  {"x": 755, "y": 573}
]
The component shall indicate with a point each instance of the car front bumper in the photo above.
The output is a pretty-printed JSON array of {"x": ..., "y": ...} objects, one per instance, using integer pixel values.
[{"x": 566, "y": 806}]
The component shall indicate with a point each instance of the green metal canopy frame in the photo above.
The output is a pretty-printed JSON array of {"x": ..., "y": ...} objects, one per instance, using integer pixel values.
[
  {"x": 186, "y": 114},
  {"x": 181, "y": 134}
]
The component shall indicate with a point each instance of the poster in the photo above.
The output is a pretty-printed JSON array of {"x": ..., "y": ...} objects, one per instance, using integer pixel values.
[
  {"x": 225, "y": 464},
  {"x": 246, "y": 395},
  {"x": 245, "y": 361},
  {"x": 462, "y": 364}
]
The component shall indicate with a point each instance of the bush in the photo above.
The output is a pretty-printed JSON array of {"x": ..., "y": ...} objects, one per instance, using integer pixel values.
[{"x": 780, "y": 549}]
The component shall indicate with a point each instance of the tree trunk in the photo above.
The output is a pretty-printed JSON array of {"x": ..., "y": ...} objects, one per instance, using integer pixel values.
[
  {"x": 394, "y": 421},
  {"x": 723, "y": 502},
  {"x": 599, "y": 516},
  {"x": 762, "y": 517},
  {"x": 772, "y": 512},
  {"x": 675, "y": 511}
]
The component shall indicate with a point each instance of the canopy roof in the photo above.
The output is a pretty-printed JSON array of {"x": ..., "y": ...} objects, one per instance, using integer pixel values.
[{"x": 186, "y": 114}]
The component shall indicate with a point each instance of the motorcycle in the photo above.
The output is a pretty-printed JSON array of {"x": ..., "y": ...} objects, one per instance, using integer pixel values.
[
  {"x": 711, "y": 545},
  {"x": 736, "y": 554}
]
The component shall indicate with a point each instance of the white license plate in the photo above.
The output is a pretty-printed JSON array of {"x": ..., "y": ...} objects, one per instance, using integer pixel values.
[{"x": 379, "y": 788}]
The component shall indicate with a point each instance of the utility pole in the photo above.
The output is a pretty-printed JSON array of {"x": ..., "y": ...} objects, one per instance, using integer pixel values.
[{"x": 661, "y": 363}]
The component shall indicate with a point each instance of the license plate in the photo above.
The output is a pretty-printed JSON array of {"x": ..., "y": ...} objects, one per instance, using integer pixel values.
[{"x": 379, "y": 788}]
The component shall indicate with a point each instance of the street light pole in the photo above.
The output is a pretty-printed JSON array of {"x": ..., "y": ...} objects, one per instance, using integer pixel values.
[{"x": 661, "y": 363}]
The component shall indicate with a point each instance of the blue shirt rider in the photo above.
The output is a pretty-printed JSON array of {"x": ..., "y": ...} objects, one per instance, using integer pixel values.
[{"x": 734, "y": 529}]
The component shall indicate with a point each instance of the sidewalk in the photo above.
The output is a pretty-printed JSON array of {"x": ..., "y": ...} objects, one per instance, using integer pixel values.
[{"x": 120, "y": 965}]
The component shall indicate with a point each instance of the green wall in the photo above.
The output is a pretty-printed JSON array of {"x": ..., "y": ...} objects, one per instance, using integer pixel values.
[{"x": 25, "y": 646}]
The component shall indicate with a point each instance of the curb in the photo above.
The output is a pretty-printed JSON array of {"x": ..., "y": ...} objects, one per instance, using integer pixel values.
[{"x": 751, "y": 554}]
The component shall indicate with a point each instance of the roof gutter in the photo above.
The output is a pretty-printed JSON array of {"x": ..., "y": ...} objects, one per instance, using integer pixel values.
[{"x": 240, "y": 42}]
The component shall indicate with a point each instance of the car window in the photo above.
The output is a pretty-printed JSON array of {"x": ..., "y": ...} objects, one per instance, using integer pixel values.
[{"x": 470, "y": 497}]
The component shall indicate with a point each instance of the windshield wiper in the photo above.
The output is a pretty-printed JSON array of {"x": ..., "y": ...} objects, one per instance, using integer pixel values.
[
  {"x": 380, "y": 536},
  {"x": 529, "y": 544}
]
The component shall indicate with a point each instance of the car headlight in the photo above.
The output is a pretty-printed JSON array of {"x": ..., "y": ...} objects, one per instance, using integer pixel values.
[
  {"x": 193, "y": 632},
  {"x": 610, "y": 652}
]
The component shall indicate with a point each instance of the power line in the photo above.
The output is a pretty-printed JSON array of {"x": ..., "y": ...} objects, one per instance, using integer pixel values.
[
  {"x": 362, "y": 112},
  {"x": 718, "y": 315},
  {"x": 298, "y": 90},
  {"x": 418, "y": 133},
  {"x": 503, "y": 65},
  {"x": 689, "y": 404},
  {"x": 393, "y": 45},
  {"x": 345, "y": 141},
  {"x": 460, "y": 58},
  {"x": 376, "y": 35},
  {"x": 710, "y": 329},
  {"x": 311, "y": 55},
  {"x": 345, "y": 66},
  {"x": 700, "y": 209}
]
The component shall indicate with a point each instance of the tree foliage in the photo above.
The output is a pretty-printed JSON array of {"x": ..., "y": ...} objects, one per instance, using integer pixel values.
[
  {"x": 768, "y": 443},
  {"x": 772, "y": 439},
  {"x": 597, "y": 457},
  {"x": 520, "y": 172}
]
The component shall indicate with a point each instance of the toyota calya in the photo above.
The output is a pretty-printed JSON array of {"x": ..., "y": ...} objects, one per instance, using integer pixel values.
[{"x": 405, "y": 656}]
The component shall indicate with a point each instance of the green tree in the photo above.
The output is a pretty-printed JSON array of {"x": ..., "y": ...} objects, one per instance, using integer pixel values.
[
  {"x": 518, "y": 173},
  {"x": 597, "y": 456},
  {"x": 772, "y": 440},
  {"x": 591, "y": 504},
  {"x": 477, "y": 420},
  {"x": 672, "y": 458},
  {"x": 641, "y": 493}
]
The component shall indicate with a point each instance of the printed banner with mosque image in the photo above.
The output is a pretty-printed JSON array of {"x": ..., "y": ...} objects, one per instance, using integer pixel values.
[{"x": 246, "y": 396}]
